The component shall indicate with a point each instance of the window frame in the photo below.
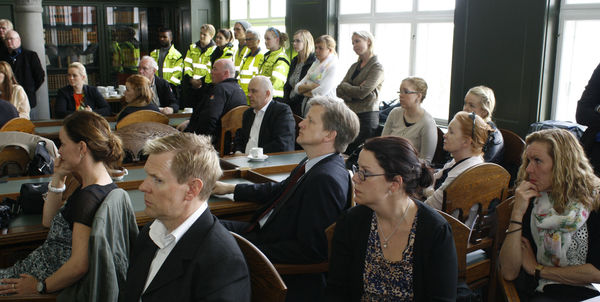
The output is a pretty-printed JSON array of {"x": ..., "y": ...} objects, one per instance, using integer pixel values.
[
  {"x": 569, "y": 12},
  {"x": 412, "y": 17}
]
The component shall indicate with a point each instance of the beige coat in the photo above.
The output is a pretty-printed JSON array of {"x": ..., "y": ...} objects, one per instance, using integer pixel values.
[
  {"x": 360, "y": 93},
  {"x": 20, "y": 101}
]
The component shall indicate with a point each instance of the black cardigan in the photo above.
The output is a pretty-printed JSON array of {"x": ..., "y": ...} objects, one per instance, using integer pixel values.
[
  {"x": 296, "y": 102},
  {"x": 65, "y": 102},
  {"x": 435, "y": 268}
]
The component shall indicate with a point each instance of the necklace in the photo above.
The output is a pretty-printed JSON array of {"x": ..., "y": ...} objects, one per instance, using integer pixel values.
[{"x": 386, "y": 239}]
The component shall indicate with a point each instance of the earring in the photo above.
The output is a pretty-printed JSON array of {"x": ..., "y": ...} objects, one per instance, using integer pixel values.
[{"x": 80, "y": 155}]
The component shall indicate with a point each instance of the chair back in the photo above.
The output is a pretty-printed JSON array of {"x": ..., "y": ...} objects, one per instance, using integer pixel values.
[
  {"x": 480, "y": 184},
  {"x": 230, "y": 123},
  {"x": 310, "y": 268},
  {"x": 514, "y": 146},
  {"x": 266, "y": 283},
  {"x": 143, "y": 116},
  {"x": 440, "y": 155},
  {"x": 13, "y": 161},
  {"x": 114, "y": 231},
  {"x": 460, "y": 232},
  {"x": 19, "y": 124},
  {"x": 503, "y": 212}
]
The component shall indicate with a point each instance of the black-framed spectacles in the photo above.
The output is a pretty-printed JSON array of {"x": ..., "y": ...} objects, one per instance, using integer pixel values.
[
  {"x": 362, "y": 175},
  {"x": 406, "y": 91},
  {"x": 473, "y": 116}
]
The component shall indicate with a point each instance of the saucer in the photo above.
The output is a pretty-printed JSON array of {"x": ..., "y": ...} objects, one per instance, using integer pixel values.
[{"x": 261, "y": 158}]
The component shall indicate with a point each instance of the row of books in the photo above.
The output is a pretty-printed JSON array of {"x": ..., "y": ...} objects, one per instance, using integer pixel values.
[
  {"x": 116, "y": 15},
  {"x": 71, "y": 36},
  {"x": 69, "y": 15},
  {"x": 57, "y": 81}
]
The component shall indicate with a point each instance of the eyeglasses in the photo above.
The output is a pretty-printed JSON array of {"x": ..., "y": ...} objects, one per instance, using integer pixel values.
[
  {"x": 473, "y": 116},
  {"x": 297, "y": 41},
  {"x": 251, "y": 39},
  {"x": 406, "y": 91},
  {"x": 362, "y": 175}
]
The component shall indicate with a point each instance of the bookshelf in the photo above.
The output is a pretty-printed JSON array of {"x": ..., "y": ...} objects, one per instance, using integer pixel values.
[{"x": 71, "y": 35}]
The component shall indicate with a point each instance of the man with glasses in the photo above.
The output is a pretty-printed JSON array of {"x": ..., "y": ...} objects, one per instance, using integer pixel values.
[{"x": 290, "y": 225}]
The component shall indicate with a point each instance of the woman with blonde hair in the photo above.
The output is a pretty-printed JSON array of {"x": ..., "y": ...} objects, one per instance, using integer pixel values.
[
  {"x": 320, "y": 77},
  {"x": 552, "y": 246},
  {"x": 361, "y": 85},
  {"x": 411, "y": 120},
  {"x": 138, "y": 96},
  {"x": 304, "y": 45},
  {"x": 466, "y": 136},
  {"x": 12, "y": 92},
  {"x": 275, "y": 64},
  {"x": 78, "y": 95},
  {"x": 87, "y": 148},
  {"x": 481, "y": 100}
]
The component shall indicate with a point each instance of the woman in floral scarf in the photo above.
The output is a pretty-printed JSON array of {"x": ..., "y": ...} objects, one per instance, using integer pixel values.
[{"x": 552, "y": 246}]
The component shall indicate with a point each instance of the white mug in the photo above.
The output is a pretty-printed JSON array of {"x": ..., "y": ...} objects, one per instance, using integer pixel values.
[
  {"x": 256, "y": 152},
  {"x": 188, "y": 110}
]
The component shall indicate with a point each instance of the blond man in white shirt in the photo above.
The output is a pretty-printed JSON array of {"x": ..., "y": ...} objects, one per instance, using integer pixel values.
[{"x": 185, "y": 254}]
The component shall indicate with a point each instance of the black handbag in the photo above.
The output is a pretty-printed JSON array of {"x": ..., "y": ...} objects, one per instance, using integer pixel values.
[
  {"x": 31, "y": 197},
  {"x": 42, "y": 163}
]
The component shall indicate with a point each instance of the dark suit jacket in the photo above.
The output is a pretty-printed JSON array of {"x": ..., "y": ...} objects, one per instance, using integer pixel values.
[
  {"x": 295, "y": 103},
  {"x": 7, "y": 112},
  {"x": 131, "y": 109},
  {"x": 277, "y": 130},
  {"x": 205, "y": 265},
  {"x": 295, "y": 231},
  {"x": 166, "y": 97},
  {"x": 28, "y": 71},
  {"x": 206, "y": 118},
  {"x": 65, "y": 102},
  {"x": 435, "y": 267}
]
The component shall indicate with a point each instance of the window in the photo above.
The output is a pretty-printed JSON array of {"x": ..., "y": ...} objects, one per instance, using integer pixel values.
[
  {"x": 412, "y": 38},
  {"x": 577, "y": 56},
  {"x": 262, "y": 14}
]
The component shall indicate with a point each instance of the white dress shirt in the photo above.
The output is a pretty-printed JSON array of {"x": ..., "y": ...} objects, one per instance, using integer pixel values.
[
  {"x": 167, "y": 241},
  {"x": 255, "y": 130}
]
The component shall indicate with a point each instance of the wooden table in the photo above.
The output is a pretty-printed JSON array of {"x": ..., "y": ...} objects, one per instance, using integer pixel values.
[
  {"x": 26, "y": 233},
  {"x": 274, "y": 160}
]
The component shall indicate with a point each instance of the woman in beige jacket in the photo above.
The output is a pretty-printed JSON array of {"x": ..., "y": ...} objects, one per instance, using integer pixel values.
[
  {"x": 13, "y": 92},
  {"x": 361, "y": 85}
]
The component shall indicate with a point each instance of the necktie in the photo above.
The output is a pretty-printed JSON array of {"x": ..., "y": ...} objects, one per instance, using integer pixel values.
[{"x": 293, "y": 180}]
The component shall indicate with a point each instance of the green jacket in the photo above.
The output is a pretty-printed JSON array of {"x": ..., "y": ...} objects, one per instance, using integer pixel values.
[
  {"x": 275, "y": 65},
  {"x": 197, "y": 62}
]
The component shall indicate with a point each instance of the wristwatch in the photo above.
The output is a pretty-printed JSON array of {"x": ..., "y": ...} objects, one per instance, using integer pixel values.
[
  {"x": 41, "y": 287},
  {"x": 538, "y": 270}
]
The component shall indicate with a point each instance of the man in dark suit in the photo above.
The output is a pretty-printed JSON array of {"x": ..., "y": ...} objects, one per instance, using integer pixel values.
[
  {"x": 7, "y": 112},
  {"x": 225, "y": 94},
  {"x": 25, "y": 64},
  {"x": 267, "y": 124},
  {"x": 185, "y": 254},
  {"x": 163, "y": 97},
  {"x": 290, "y": 225}
]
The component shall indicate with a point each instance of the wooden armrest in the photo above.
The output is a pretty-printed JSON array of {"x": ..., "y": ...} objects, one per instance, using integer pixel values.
[
  {"x": 298, "y": 269},
  {"x": 31, "y": 297},
  {"x": 508, "y": 289},
  {"x": 483, "y": 244}
]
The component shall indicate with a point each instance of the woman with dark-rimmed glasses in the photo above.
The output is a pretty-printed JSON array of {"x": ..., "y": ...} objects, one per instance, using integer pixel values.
[
  {"x": 466, "y": 136},
  {"x": 391, "y": 247}
]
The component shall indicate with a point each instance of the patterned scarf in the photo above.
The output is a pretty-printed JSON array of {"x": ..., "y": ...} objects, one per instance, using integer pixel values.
[{"x": 553, "y": 232}]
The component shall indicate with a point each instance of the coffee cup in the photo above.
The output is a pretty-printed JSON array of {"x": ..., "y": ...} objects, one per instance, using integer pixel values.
[
  {"x": 188, "y": 110},
  {"x": 256, "y": 152}
]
